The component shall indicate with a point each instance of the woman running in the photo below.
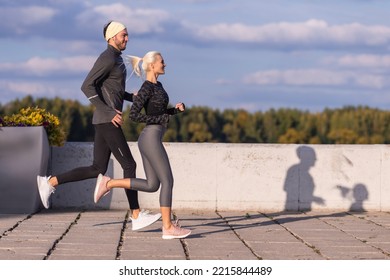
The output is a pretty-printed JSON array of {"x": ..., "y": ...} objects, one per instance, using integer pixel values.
[{"x": 154, "y": 99}]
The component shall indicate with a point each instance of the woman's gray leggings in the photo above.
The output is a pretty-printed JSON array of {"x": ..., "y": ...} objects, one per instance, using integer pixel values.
[{"x": 156, "y": 165}]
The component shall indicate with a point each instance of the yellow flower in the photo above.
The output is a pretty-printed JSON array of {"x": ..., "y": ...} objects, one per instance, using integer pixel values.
[{"x": 37, "y": 117}]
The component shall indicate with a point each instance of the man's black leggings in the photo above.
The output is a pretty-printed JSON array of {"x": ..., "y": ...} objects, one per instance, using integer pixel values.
[{"x": 108, "y": 139}]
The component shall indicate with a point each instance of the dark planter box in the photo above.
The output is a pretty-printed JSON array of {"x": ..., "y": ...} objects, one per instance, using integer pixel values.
[{"x": 24, "y": 154}]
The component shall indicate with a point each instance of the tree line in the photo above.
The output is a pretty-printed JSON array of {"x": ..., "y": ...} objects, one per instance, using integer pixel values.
[{"x": 347, "y": 125}]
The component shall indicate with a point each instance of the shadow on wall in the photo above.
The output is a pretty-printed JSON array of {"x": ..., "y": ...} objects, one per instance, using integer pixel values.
[
  {"x": 299, "y": 184},
  {"x": 358, "y": 194}
]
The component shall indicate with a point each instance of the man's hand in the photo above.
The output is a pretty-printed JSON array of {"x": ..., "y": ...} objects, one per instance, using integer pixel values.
[{"x": 117, "y": 120}]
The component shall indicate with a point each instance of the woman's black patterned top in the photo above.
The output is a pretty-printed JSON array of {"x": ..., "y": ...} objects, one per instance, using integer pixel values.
[{"x": 154, "y": 99}]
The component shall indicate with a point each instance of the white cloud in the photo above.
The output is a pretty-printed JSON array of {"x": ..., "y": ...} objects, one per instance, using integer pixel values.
[
  {"x": 138, "y": 21},
  {"x": 19, "y": 19},
  {"x": 311, "y": 33},
  {"x": 73, "y": 46},
  {"x": 32, "y": 88},
  {"x": 316, "y": 77},
  {"x": 20, "y": 88},
  {"x": 38, "y": 66},
  {"x": 223, "y": 82},
  {"x": 24, "y": 88},
  {"x": 363, "y": 60}
]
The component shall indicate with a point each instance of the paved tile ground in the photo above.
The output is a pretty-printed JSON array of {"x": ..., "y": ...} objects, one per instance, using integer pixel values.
[{"x": 107, "y": 235}]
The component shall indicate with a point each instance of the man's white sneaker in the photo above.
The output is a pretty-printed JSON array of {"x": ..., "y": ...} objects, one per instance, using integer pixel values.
[
  {"x": 145, "y": 218},
  {"x": 45, "y": 190}
]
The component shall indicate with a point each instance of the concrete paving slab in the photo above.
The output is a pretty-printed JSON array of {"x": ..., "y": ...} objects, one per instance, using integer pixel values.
[{"x": 74, "y": 234}]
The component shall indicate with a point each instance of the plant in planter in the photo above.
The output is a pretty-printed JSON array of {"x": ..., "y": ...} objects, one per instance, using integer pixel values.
[
  {"x": 25, "y": 140},
  {"x": 35, "y": 116}
]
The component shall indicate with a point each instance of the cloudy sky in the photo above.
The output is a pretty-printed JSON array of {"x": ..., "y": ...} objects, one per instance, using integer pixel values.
[{"x": 250, "y": 54}]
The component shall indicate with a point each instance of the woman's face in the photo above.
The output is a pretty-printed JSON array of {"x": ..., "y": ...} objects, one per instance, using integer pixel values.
[{"x": 158, "y": 65}]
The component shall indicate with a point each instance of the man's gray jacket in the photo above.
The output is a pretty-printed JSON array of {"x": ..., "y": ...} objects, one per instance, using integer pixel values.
[{"x": 105, "y": 85}]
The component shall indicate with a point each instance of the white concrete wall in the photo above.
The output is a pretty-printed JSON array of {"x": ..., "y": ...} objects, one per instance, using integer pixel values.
[{"x": 262, "y": 177}]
